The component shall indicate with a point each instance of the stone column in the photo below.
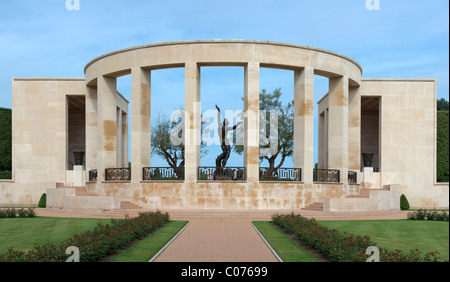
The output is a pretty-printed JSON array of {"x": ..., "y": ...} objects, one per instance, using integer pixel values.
[
  {"x": 119, "y": 138},
  {"x": 304, "y": 122},
  {"x": 192, "y": 121},
  {"x": 325, "y": 139},
  {"x": 354, "y": 128},
  {"x": 125, "y": 140},
  {"x": 91, "y": 129},
  {"x": 140, "y": 122},
  {"x": 106, "y": 124},
  {"x": 338, "y": 126},
  {"x": 321, "y": 145},
  {"x": 251, "y": 121}
]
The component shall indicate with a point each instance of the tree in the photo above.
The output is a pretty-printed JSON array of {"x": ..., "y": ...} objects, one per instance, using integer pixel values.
[
  {"x": 167, "y": 141},
  {"x": 442, "y": 105},
  {"x": 280, "y": 144},
  {"x": 5, "y": 140},
  {"x": 442, "y": 146}
]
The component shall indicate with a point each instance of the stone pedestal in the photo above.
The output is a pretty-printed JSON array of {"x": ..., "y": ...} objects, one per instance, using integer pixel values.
[
  {"x": 368, "y": 179},
  {"x": 78, "y": 175}
]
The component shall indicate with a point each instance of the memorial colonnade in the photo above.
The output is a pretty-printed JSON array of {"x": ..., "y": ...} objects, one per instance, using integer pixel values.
[{"x": 339, "y": 140}]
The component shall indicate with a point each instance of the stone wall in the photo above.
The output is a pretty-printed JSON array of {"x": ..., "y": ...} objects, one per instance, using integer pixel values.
[
  {"x": 220, "y": 195},
  {"x": 408, "y": 138}
]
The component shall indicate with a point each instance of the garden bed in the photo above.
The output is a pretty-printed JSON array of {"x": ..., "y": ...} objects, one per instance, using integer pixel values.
[
  {"x": 94, "y": 245},
  {"x": 342, "y": 246}
]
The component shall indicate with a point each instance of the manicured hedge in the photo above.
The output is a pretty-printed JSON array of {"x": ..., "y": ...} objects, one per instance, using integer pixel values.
[
  {"x": 5, "y": 140},
  {"x": 442, "y": 146},
  {"x": 342, "y": 247},
  {"x": 43, "y": 201},
  {"x": 428, "y": 215},
  {"x": 96, "y": 244},
  {"x": 13, "y": 213},
  {"x": 404, "y": 204}
]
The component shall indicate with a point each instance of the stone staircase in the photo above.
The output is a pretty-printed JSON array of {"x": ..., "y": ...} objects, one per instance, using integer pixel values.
[
  {"x": 316, "y": 206},
  {"x": 127, "y": 205},
  {"x": 81, "y": 191},
  {"x": 363, "y": 193}
]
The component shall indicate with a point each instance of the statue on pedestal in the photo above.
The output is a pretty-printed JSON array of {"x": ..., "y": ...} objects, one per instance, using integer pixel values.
[{"x": 223, "y": 129}]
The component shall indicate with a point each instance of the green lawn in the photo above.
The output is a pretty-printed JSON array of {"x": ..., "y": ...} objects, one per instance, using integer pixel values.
[
  {"x": 287, "y": 250},
  {"x": 150, "y": 246},
  {"x": 23, "y": 233},
  {"x": 426, "y": 236}
]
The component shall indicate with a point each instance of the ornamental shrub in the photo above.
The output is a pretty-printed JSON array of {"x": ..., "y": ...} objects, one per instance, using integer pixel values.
[
  {"x": 8, "y": 213},
  {"x": 428, "y": 215},
  {"x": 404, "y": 204},
  {"x": 43, "y": 201},
  {"x": 96, "y": 244},
  {"x": 12, "y": 213},
  {"x": 342, "y": 247}
]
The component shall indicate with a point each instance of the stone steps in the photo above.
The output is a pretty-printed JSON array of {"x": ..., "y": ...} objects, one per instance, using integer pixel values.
[
  {"x": 363, "y": 193},
  {"x": 316, "y": 206},
  {"x": 80, "y": 190},
  {"x": 127, "y": 205}
]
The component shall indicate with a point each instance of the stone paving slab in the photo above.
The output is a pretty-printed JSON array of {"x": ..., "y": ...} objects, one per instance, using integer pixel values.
[{"x": 218, "y": 240}]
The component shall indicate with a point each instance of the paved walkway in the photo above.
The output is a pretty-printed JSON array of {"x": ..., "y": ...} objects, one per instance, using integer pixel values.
[
  {"x": 212, "y": 239},
  {"x": 223, "y": 236}
]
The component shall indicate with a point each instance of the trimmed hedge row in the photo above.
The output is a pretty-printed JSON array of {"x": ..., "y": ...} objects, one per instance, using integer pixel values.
[
  {"x": 442, "y": 149},
  {"x": 13, "y": 213},
  {"x": 96, "y": 244},
  {"x": 342, "y": 247},
  {"x": 5, "y": 142},
  {"x": 428, "y": 215}
]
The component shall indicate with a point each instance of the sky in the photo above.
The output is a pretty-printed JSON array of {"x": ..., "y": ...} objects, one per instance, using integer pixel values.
[{"x": 401, "y": 39}]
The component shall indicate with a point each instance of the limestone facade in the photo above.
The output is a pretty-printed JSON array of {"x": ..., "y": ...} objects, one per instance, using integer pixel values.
[{"x": 48, "y": 126}]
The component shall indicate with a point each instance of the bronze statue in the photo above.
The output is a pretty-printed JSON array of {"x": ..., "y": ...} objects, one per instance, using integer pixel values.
[{"x": 223, "y": 130}]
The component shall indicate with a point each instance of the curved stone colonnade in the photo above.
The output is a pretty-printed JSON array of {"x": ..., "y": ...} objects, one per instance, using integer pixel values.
[{"x": 342, "y": 148}]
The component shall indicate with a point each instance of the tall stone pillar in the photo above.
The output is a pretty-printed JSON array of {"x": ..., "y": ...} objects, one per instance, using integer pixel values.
[
  {"x": 325, "y": 139},
  {"x": 304, "y": 122},
  {"x": 251, "y": 121},
  {"x": 338, "y": 126},
  {"x": 119, "y": 138},
  {"x": 91, "y": 129},
  {"x": 321, "y": 145},
  {"x": 125, "y": 140},
  {"x": 354, "y": 128},
  {"x": 106, "y": 124},
  {"x": 140, "y": 122},
  {"x": 192, "y": 121}
]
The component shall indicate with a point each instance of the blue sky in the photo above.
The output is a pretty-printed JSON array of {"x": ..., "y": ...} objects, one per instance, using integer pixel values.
[{"x": 404, "y": 39}]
